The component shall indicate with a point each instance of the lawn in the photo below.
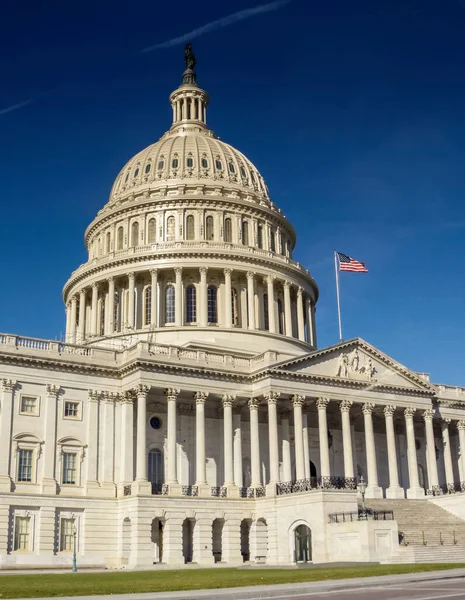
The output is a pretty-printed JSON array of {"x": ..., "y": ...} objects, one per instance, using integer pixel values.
[{"x": 111, "y": 582}]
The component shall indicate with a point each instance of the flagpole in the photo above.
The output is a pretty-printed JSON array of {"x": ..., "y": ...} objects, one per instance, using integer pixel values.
[{"x": 338, "y": 296}]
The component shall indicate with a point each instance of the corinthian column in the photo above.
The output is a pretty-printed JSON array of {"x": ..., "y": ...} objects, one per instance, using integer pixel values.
[
  {"x": 73, "y": 319},
  {"x": 238, "y": 479},
  {"x": 127, "y": 437},
  {"x": 227, "y": 298},
  {"x": 228, "y": 402},
  {"x": 345, "y": 406},
  {"x": 154, "y": 298},
  {"x": 300, "y": 314},
  {"x": 251, "y": 299},
  {"x": 461, "y": 428},
  {"x": 131, "y": 300},
  {"x": 414, "y": 491},
  {"x": 7, "y": 387},
  {"x": 433, "y": 479},
  {"x": 286, "y": 445},
  {"x": 200, "y": 461},
  {"x": 111, "y": 306},
  {"x": 271, "y": 312},
  {"x": 254, "y": 443},
  {"x": 373, "y": 489},
  {"x": 447, "y": 455},
  {"x": 94, "y": 312},
  {"x": 142, "y": 485},
  {"x": 82, "y": 315},
  {"x": 287, "y": 308},
  {"x": 203, "y": 314},
  {"x": 322, "y": 404},
  {"x": 272, "y": 400},
  {"x": 171, "y": 396},
  {"x": 92, "y": 442},
  {"x": 178, "y": 296},
  {"x": 297, "y": 403},
  {"x": 394, "y": 490}
]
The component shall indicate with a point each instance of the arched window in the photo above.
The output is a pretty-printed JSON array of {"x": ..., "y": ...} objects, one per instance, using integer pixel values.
[
  {"x": 234, "y": 307},
  {"x": 107, "y": 242},
  {"x": 265, "y": 312},
  {"x": 280, "y": 317},
  {"x": 191, "y": 304},
  {"x": 273, "y": 240},
  {"x": 170, "y": 229},
  {"x": 120, "y": 238},
  {"x": 243, "y": 173},
  {"x": 260, "y": 235},
  {"x": 148, "y": 166},
  {"x": 245, "y": 233},
  {"x": 152, "y": 231},
  {"x": 135, "y": 234},
  {"x": 227, "y": 230},
  {"x": 161, "y": 164},
  {"x": 218, "y": 164},
  {"x": 155, "y": 467},
  {"x": 209, "y": 233},
  {"x": 148, "y": 305},
  {"x": 169, "y": 304},
  {"x": 190, "y": 227},
  {"x": 232, "y": 168},
  {"x": 212, "y": 304},
  {"x": 189, "y": 162},
  {"x": 136, "y": 172},
  {"x": 175, "y": 162},
  {"x": 204, "y": 163}
]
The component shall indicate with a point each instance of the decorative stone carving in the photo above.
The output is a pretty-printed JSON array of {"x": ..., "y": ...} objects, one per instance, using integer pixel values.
[
  {"x": 298, "y": 400},
  {"x": 228, "y": 400},
  {"x": 142, "y": 390},
  {"x": 52, "y": 390},
  {"x": 93, "y": 395},
  {"x": 409, "y": 412},
  {"x": 461, "y": 424},
  {"x": 345, "y": 405},
  {"x": 200, "y": 397},
  {"x": 428, "y": 414},
  {"x": 368, "y": 408},
  {"x": 389, "y": 410},
  {"x": 253, "y": 403},
  {"x": 172, "y": 393},
  {"x": 351, "y": 366},
  {"x": 322, "y": 403},
  {"x": 271, "y": 397},
  {"x": 7, "y": 385}
]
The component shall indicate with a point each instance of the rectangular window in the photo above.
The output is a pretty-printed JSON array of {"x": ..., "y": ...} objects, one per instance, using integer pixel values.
[
  {"x": 71, "y": 410},
  {"x": 67, "y": 535},
  {"x": 25, "y": 465},
  {"x": 69, "y": 468},
  {"x": 22, "y": 528},
  {"x": 28, "y": 405}
]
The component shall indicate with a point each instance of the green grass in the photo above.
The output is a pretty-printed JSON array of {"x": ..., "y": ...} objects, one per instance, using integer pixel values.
[{"x": 79, "y": 584}]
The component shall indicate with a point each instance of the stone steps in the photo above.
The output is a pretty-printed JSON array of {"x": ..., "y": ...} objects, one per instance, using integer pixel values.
[{"x": 425, "y": 554}]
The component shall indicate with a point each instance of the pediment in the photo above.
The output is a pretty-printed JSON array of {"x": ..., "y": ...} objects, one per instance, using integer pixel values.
[{"x": 356, "y": 360}]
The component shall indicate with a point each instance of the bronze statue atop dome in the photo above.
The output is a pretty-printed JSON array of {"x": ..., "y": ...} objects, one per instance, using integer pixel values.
[{"x": 189, "y": 57}]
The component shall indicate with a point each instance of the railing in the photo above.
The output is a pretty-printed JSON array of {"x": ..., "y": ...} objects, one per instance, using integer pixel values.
[
  {"x": 190, "y": 490},
  {"x": 252, "y": 492},
  {"x": 361, "y": 515},
  {"x": 447, "y": 488},
  {"x": 219, "y": 492},
  {"x": 127, "y": 490},
  {"x": 316, "y": 483}
]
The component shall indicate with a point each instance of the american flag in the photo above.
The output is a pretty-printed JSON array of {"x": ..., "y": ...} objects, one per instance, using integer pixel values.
[{"x": 346, "y": 263}]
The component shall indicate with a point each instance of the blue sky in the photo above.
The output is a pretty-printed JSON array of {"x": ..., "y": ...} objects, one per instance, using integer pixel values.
[{"x": 353, "y": 112}]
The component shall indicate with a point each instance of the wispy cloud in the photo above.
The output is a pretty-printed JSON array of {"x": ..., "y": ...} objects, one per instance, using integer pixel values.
[
  {"x": 8, "y": 109},
  {"x": 220, "y": 23}
]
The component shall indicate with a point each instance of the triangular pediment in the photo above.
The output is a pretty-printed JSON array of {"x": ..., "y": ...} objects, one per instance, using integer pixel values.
[{"x": 356, "y": 360}]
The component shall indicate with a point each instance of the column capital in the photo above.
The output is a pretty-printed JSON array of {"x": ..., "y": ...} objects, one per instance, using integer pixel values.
[
  {"x": 428, "y": 414},
  {"x": 445, "y": 423},
  {"x": 142, "y": 390},
  {"x": 200, "y": 397},
  {"x": 74, "y": 298},
  {"x": 94, "y": 395},
  {"x": 389, "y": 410},
  {"x": 95, "y": 286},
  {"x": 172, "y": 393},
  {"x": 52, "y": 390},
  {"x": 203, "y": 270},
  {"x": 345, "y": 405},
  {"x": 270, "y": 279},
  {"x": 253, "y": 403},
  {"x": 298, "y": 400},
  {"x": 409, "y": 412},
  {"x": 300, "y": 290},
  {"x": 83, "y": 291},
  {"x": 110, "y": 397},
  {"x": 368, "y": 408},
  {"x": 271, "y": 397},
  {"x": 322, "y": 403},
  {"x": 250, "y": 275},
  {"x": 131, "y": 276},
  {"x": 178, "y": 270},
  {"x": 461, "y": 424},
  {"x": 228, "y": 400},
  {"x": 110, "y": 279},
  {"x": 127, "y": 397},
  {"x": 286, "y": 284},
  {"x": 227, "y": 272},
  {"x": 7, "y": 385},
  {"x": 153, "y": 272}
]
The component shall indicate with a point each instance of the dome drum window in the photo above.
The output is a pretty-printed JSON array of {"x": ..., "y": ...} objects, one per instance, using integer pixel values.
[
  {"x": 175, "y": 163},
  {"x": 161, "y": 164},
  {"x": 204, "y": 163},
  {"x": 136, "y": 173},
  {"x": 218, "y": 164},
  {"x": 189, "y": 162},
  {"x": 148, "y": 167}
]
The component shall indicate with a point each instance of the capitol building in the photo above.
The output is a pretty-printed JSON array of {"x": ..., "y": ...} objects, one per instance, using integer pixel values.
[{"x": 190, "y": 417}]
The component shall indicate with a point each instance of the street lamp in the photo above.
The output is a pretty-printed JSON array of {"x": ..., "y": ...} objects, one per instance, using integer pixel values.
[
  {"x": 74, "y": 569},
  {"x": 362, "y": 486}
]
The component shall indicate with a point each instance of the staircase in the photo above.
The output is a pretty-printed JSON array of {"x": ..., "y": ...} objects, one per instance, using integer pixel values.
[{"x": 427, "y": 532}]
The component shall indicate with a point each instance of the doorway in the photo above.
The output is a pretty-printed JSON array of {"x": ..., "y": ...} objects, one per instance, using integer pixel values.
[{"x": 303, "y": 544}]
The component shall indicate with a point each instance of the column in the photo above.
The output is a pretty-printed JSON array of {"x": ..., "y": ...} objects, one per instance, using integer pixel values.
[
  {"x": 271, "y": 311},
  {"x": 286, "y": 445},
  {"x": 107, "y": 455},
  {"x": 142, "y": 485},
  {"x": 414, "y": 491},
  {"x": 227, "y": 298},
  {"x": 433, "y": 479},
  {"x": 461, "y": 428},
  {"x": 310, "y": 322},
  {"x": 228, "y": 402},
  {"x": 179, "y": 298},
  {"x": 297, "y": 402},
  {"x": 300, "y": 315},
  {"x": 272, "y": 400},
  {"x": 254, "y": 443},
  {"x": 394, "y": 490},
  {"x": 127, "y": 437},
  {"x": 373, "y": 490},
  {"x": 322, "y": 404},
  {"x": 94, "y": 310},
  {"x": 345, "y": 406},
  {"x": 92, "y": 442},
  {"x": 447, "y": 455},
  {"x": 306, "y": 443},
  {"x": 154, "y": 298},
  {"x": 7, "y": 387},
  {"x": 111, "y": 306},
  {"x": 203, "y": 314},
  {"x": 49, "y": 484},
  {"x": 287, "y": 308},
  {"x": 238, "y": 479},
  {"x": 82, "y": 316},
  {"x": 68, "y": 321},
  {"x": 200, "y": 461},
  {"x": 171, "y": 396},
  {"x": 73, "y": 319},
  {"x": 131, "y": 306},
  {"x": 251, "y": 299}
]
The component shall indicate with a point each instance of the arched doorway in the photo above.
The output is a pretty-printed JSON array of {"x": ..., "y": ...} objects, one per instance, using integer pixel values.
[
  {"x": 187, "y": 540},
  {"x": 302, "y": 544},
  {"x": 217, "y": 534},
  {"x": 245, "y": 539},
  {"x": 157, "y": 540}
]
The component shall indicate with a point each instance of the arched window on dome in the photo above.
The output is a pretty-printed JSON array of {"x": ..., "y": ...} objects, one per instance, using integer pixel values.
[
  {"x": 245, "y": 233},
  {"x": 209, "y": 231},
  {"x": 148, "y": 305},
  {"x": 148, "y": 167},
  {"x": 136, "y": 173},
  {"x": 191, "y": 304},
  {"x": 170, "y": 304},
  {"x": 189, "y": 162},
  {"x": 170, "y": 226},
  {"x": 243, "y": 173},
  {"x": 155, "y": 468},
  {"x": 266, "y": 319},
  {"x": 260, "y": 235},
  {"x": 234, "y": 307},
  {"x": 204, "y": 162},
  {"x": 190, "y": 227},
  {"x": 175, "y": 163},
  {"x": 212, "y": 296},
  {"x": 227, "y": 230},
  {"x": 273, "y": 240},
  {"x": 127, "y": 177},
  {"x": 280, "y": 317},
  {"x": 107, "y": 242},
  {"x": 152, "y": 231},
  {"x": 135, "y": 234},
  {"x": 218, "y": 164},
  {"x": 120, "y": 238},
  {"x": 252, "y": 176},
  {"x": 161, "y": 164},
  {"x": 232, "y": 168}
]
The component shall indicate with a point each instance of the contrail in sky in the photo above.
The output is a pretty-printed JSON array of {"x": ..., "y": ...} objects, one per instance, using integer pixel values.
[
  {"x": 8, "y": 109},
  {"x": 220, "y": 23}
]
